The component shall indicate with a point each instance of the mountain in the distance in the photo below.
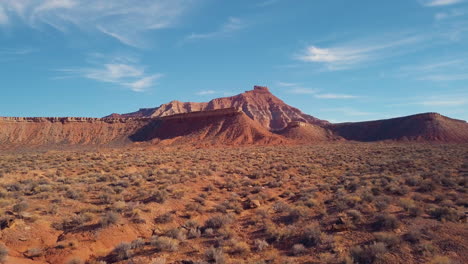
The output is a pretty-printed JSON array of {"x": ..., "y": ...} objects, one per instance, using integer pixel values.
[
  {"x": 259, "y": 104},
  {"x": 253, "y": 117},
  {"x": 223, "y": 126},
  {"x": 425, "y": 127}
]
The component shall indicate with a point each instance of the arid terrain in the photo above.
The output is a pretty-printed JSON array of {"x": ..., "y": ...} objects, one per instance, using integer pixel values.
[{"x": 335, "y": 202}]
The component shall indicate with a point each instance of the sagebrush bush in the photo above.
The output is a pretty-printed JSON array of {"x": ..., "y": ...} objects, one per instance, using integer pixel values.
[
  {"x": 3, "y": 253},
  {"x": 162, "y": 243},
  {"x": 386, "y": 222},
  {"x": 368, "y": 254}
]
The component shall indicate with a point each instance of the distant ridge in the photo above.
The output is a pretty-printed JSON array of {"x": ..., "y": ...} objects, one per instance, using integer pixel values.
[
  {"x": 253, "y": 117},
  {"x": 420, "y": 127},
  {"x": 259, "y": 104},
  {"x": 215, "y": 127}
]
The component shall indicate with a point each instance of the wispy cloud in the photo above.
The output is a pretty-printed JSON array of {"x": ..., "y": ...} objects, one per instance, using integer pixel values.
[
  {"x": 358, "y": 52},
  {"x": 347, "y": 111},
  {"x": 267, "y": 3},
  {"x": 206, "y": 92},
  {"x": 286, "y": 84},
  {"x": 449, "y": 14},
  {"x": 434, "y": 102},
  {"x": 3, "y": 16},
  {"x": 123, "y": 20},
  {"x": 295, "y": 88},
  {"x": 440, "y": 2},
  {"x": 335, "y": 96},
  {"x": 301, "y": 90},
  {"x": 232, "y": 25},
  {"x": 131, "y": 76},
  {"x": 442, "y": 70}
]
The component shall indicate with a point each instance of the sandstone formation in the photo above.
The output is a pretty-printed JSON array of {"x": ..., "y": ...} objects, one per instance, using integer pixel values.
[
  {"x": 259, "y": 104},
  {"x": 225, "y": 126},
  {"x": 420, "y": 127},
  {"x": 305, "y": 132},
  {"x": 40, "y": 131}
]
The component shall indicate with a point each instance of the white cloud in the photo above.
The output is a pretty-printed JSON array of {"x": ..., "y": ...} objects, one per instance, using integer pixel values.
[
  {"x": 359, "y": 52},
  {"x": 455, "y": 102},
  {"x": 3, "y": 17},
  {"x": 232, "y": 25},
  {"x": 286, "y": 84},
  {"x": 206, "y": 92},
  {"x": 442, "y": 70},
  {"x": 347, "y": 111},
  {"x": 447, "y": 15},
  {"x": 335, "y": 96},
  {"x": 142, "y": 84},
  {"x": 131, "y": 76},
  {"x": 300, "y": 90},
  {"x": 124, "y": 20},
  {"x": 440, "y": 2}
]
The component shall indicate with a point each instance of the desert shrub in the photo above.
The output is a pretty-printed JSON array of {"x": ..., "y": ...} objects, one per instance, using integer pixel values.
[
  {"x": 239, "y": 248},
  {"x": 193, "y": 233},
  {"x": 355, "y": 216},
  {"x": 218, "y": 221},
  {"x": 70, "y": 223},
  {"x": 368, "y": 254},
  {"x": 382, "y": 203},
  {"x": 76, "y": 261},
  {"x": 444, "y": 214},
  {"x": 298, "y": 249},
  {"x": 176, "y": 233},
  {"x": 3, "y": 253},
  {"x": 426, "y": 186},
  {"x": 389, "y": 239},
  {"x": 385, "y": 222},
  {"x": 159, "y": 196},
  {"x": 158, "y": 261},
  {"x": 20, "y": 207},
  {"x": 122, "y": 251},
  {"x": 260, "y": 245},
  {"x": 311, "y": 236},
  {"x": 164, "y": 218},
  {"x": 441, "y": 260},
  {"x": 74, "y": 195},
  {"x": 413, "y": 236},
  {"x": 110, "y": 218},
  {"x": 162, "y": 243},
  {"x": 215, "y": 255},
  {"x": 137, "y": 243},
  {"x": 208, "y": 232}
]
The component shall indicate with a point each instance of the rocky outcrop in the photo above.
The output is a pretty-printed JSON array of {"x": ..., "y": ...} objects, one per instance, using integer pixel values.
[
  {"x": 421, "y": 127},
  {"x": 259, "y": 104}
]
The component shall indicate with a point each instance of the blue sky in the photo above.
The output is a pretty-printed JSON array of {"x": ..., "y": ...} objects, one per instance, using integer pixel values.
[{"x": 338, "y": 60}]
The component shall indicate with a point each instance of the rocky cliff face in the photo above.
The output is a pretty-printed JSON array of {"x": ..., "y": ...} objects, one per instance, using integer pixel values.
[
  {"x": 259, "y": 104},
  {"x": 421, "y": 127}
]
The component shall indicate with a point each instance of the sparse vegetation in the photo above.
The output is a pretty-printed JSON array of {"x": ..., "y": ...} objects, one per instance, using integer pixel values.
[{"x": 334, "y": 204}]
